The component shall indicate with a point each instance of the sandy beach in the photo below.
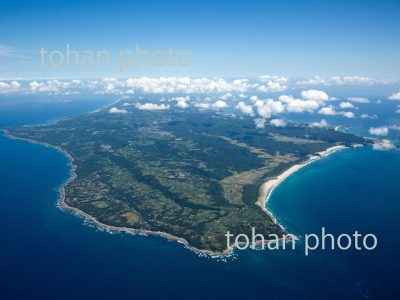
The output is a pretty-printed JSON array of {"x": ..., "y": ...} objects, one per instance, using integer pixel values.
[{"x": 267, "y": 187}]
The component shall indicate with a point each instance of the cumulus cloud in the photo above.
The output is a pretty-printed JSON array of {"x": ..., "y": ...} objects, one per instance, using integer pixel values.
[
  {"x": 226, "y": 96},
  {"x": 297, "y": 105},
  {"x": 271, "y": 84},
  {"x": 311, "y": 101},
  {"x": 181, "y": 101},
  {"x": 383, "y": 145},
  {"x": 315, "y": 95},
  {"x": 347, "y": 114},
  {"x": 320, "y": 124},
  {"x": 278, "y": 122},
  {"x": 381, "y": 131},
  {"x": 253, "y": 99},
  {"x": 219, "y": 104},
  {"x": 13, "y": 86},
  {"x": 246, "y": 109},
  {"x": 328, "y": 110},
  {"x": 50, "y": 86},
  {"x": 182, "y": 104},
  {"x": 4, "y": 86},
  {"x": 345, "y": 105},
  {"x": 358, "y": 99},
  {"x": 260, "y": 122},
  {"x": 395, "y": 96},
  {"x": 115, "y": 110},
  {"x": 267, "y": 108},
  {"x": 151, "y": 106}
]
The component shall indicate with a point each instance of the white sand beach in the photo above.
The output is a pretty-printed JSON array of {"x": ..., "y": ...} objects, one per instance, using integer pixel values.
[{"x": 268, "y": 186}]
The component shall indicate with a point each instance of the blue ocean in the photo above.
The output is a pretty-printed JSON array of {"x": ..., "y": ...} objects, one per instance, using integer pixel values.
[{"x": 47, "y": 253}]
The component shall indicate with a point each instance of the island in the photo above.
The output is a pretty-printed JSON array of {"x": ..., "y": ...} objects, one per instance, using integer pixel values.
[{"x": 184, "y": 174}]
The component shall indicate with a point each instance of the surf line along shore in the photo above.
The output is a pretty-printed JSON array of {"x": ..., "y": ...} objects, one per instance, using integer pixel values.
[{"x": 267, "y": 187}]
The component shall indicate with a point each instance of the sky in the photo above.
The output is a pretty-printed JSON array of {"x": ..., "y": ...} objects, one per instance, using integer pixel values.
[{"x": 227, "y": 39}]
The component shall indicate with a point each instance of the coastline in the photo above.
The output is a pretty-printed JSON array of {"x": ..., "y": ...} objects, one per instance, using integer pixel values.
[
  {"x": 266, "y": 190},
  {"x": 268, "y": 186},
  {"x": 92, "y": 220}
]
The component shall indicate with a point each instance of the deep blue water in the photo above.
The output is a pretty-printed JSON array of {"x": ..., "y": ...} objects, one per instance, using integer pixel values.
[{"x": 50, "y": 254}]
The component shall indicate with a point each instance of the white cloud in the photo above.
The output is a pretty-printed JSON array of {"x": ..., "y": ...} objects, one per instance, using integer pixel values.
[
  {"x": 182, "y": 104},
  {"x": 367, "y": 116},
  {"x": 260, "y": 122},
  {"x": 271, "y": 84},
  {"x": 202, "y": 105},
  {"x": 181, "y": 98},
  {"x": 115, "y": 110},
  {"x": 383, "y": 145},
  {"x": 347, "y": 80},
  {"x": 253, "y": 98},
  {"x": 345, "y": 105},
  {"x": 226, "y": 96},
  {"x": 4, "y": 86},
  {"x": 320, "y": 124},
  {"x": 381, "y": 131},
  {"x": 50, "y": 86},
  {"x": 328, "y": 110},
  {"x": 358, "y": 99},
  {"x": 315, "y": 95},
  {"x": 395, "y": 127},
  {"x": 395, "y": 96},
  {"x": 347, "y": 114},
  {"x": 219, "y": 104},
  {"x": 13, "y": 86},
  {"x": 181, "y": 101},
  {"x": 298, "y": 105},
  {"x": 269, "y": 107},
  {"x": 278, "y": 122},
  {"x": 337, "y": 80},
  {"x": 151, "y": 106},
  {"x": 246, "y": 109},
  {"x": 313, "y": 81}
]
